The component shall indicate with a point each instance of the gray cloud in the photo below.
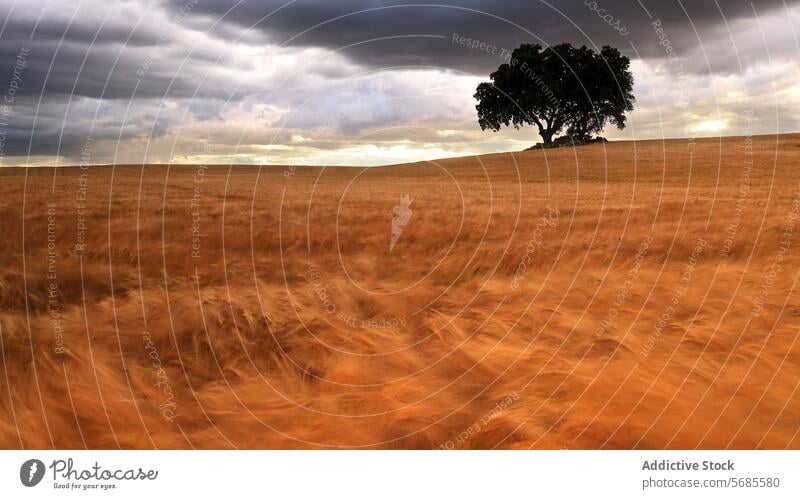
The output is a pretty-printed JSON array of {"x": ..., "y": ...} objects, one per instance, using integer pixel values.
[
  {"x": 256, "y": 72},
  {"x": 393, "y": 33}
]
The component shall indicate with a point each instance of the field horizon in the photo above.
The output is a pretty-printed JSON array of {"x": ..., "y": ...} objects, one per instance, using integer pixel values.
[
  {"x": 632, "y": 294},
  {"x": 614, "y": 141}
]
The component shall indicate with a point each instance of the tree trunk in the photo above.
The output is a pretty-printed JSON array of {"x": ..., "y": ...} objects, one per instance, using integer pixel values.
[{"x": 547, "y": 136}]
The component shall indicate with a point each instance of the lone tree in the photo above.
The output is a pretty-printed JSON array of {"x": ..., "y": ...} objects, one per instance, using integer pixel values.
[{"x": 561, "y": 87}]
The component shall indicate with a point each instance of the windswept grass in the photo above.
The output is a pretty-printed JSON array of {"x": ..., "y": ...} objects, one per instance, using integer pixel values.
[{"x": 292, "y": 324}]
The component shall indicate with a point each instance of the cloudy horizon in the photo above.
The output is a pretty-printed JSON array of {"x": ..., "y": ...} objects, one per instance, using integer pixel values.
[{"x": 360, "y": 82}]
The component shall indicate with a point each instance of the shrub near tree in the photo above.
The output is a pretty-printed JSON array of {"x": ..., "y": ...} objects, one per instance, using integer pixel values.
[{"x": 558, "y": 88}]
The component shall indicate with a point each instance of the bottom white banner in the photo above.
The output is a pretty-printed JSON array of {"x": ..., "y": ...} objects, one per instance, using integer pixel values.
[{"x": 381, "y": 474}]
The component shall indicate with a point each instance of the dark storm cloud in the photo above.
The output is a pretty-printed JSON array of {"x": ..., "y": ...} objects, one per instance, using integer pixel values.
[
  {"x": 82, "y": 58},
  {"x": 84, "y": 63},
  {"x": 392, "y": 33},
  {"x": 27, "y": 27}
]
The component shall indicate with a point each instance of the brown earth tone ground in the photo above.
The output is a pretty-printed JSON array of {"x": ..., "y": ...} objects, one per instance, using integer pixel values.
[{"x": 628, "y": 295}]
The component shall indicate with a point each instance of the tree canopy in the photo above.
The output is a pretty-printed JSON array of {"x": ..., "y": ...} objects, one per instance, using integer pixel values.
[{"x": 557, "y": 88}]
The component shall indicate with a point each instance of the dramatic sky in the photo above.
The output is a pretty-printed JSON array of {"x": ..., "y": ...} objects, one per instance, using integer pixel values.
[{"x": 361, "y": 82}]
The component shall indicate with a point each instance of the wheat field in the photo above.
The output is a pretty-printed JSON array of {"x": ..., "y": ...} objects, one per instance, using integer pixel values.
[{"x": 620, "y": 295}]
